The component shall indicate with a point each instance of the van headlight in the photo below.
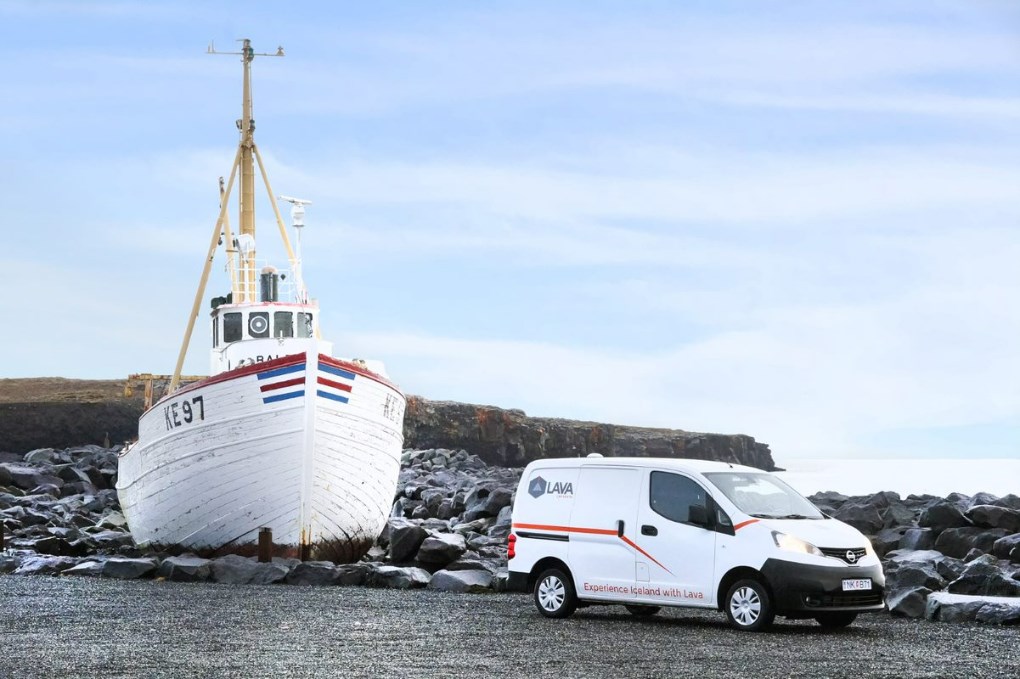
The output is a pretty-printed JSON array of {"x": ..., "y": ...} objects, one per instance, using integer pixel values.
[
  {"x": 868, "y": 549},
  {"x": 792, "y": 544}
]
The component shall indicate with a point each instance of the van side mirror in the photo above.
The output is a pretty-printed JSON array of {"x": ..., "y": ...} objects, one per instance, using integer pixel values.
[{"x": 698, "y": 515}]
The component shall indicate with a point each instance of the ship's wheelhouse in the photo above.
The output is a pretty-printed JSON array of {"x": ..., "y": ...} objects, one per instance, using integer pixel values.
[{"x": 276, "y": 321}]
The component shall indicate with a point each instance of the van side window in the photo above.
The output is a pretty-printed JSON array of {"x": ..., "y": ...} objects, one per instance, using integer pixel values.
[{"x": 672, "y": 496}]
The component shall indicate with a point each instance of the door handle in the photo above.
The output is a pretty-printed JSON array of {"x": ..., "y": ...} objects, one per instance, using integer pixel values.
[
  {"x": 649, "y": 530},
  {"x": 619, "y": 528}
]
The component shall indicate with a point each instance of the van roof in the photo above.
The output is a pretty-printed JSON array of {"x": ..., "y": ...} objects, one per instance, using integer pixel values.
[{"x": 680, "y": 464}]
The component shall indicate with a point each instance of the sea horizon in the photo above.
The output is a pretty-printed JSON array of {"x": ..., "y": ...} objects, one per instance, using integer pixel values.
[{"x": 906, "y": 476}]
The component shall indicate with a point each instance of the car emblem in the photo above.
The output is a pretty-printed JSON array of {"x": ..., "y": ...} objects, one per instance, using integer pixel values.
[{"x": 850, "y": 556}]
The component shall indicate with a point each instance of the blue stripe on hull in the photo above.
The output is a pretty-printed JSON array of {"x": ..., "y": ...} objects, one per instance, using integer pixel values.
[
  {"x": 334, "y": 397},
  {"x": 339, "y": 372},
  {"x": 282, "y": 397},
  {"x": 281, "y": 371}
]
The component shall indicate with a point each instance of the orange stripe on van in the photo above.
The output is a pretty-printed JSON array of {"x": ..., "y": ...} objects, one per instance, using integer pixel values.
[
  {"x": 634, "y": 545},
  {"x": 565, "y": 529},
  {"x": 590, "y": 531},
  {"x": 744, "y": 523}
]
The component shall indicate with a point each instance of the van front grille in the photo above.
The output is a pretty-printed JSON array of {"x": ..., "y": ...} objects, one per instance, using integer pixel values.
[{"x": 842, "y": 552}]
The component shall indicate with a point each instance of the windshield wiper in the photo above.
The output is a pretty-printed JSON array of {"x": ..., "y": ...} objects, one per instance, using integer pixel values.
[{"x": 796, "y": 516}]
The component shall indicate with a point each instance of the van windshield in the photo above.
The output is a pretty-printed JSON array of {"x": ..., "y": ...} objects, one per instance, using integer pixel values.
[{"x": 763, "y": 496}]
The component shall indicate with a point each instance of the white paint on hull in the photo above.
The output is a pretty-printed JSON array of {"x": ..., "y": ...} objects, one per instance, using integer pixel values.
[{"x": 248, "y": 453}]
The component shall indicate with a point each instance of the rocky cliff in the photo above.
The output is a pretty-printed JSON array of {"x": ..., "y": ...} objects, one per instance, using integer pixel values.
[
  {"x": 509, "y": 438},
  {"x": 60, "y": 413}
]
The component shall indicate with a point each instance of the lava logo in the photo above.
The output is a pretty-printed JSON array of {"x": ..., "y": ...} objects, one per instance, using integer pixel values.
[{"x": 537, "y": 487}]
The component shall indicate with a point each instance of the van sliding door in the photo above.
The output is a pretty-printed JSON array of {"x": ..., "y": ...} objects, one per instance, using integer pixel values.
[{"x": 601, "y": 525}]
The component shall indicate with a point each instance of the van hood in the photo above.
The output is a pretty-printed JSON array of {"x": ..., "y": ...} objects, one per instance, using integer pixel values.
[{"x": 820, "y": 532}]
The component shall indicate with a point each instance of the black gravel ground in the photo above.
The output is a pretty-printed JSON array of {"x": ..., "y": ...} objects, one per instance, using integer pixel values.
[{"x": 55, "y": 627}]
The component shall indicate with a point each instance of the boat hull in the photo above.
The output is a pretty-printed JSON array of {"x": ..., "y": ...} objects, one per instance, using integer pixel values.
[{"x": 305, "y": 445}]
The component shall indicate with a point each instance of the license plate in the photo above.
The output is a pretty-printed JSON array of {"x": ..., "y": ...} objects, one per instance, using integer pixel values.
[{"x": 856, "y": 584}]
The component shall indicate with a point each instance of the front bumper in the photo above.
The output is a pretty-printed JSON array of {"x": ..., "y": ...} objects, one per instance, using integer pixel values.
[{"x": 802, "y": 589}]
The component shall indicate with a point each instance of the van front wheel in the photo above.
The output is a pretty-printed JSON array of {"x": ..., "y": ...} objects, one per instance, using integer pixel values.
[
  {"x": 748, "y": 606},
  {"x": 554, "y": 594}
]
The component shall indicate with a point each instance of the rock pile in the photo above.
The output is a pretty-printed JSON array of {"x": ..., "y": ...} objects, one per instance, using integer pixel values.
[
  {"x": 448, "y": 528},
  {"x": 953, "y": 558}
]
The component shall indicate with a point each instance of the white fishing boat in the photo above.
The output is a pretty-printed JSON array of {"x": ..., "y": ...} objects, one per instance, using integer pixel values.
[{"x": 281, "y": 435}]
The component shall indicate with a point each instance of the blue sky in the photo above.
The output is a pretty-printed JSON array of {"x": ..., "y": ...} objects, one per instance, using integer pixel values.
[{"x": 795, "y": 220}]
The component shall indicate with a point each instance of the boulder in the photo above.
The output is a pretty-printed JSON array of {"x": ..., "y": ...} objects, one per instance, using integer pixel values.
[
  {"x": 90, "y": 569},
  {"x": 947, "y": 607},
  {"x": 113, "y": 519},
  {"x": 886, "y": 540},
  {"x": 396, "y": 577},
  {"x": 352, "y": 574},
  {"x": 864, "y": 518},
  {"x": 313, "y": 573},
  {"x": 47, "y": 456},
  {"x": 442, "y": 548},
  {"x": 917, "y": 538},
  {"x": 991, "y": 516},
  {"x": 238, "y": 570},
  {"x": 942, "y": 515},
  {"x": 185, "y": 569},
  {"x": 948, "y": 567},
  {"x": 913, "y": 575},
  {"x": 897, "y": 515},
  {"x": 461, "y": 581},
  {"x": 45, "y": 565},
  {"x": 909, "y": 603},
  {"x": 501, "y": 528},
  {"x": 405, "y": 538},
  {"x": 1010, "y": 501},
  {"x": 983, "y": 577},
  {"x": 122, "y": 568},
  {"x": 1005, "y": 546},
  {"x": 1000, "y": 612},
  {"x": 956, "y": 542},
  {"x": 9, "y": 563}
]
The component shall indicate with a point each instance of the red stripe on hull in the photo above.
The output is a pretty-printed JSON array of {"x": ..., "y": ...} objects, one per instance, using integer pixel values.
[
  {"x": 336, "y": 385},
  {"x": 281, "y": 385}
]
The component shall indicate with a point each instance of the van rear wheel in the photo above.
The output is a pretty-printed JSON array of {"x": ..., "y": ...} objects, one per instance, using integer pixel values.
[
  {"x": 748, "y": 606},
  {"x": 643, "y": 611},
  {"x": 554, "y": 594},
  {"x": 835, "y": 620}
]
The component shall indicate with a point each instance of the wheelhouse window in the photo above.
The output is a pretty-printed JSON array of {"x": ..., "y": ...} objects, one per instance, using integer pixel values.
[
  {"x": 673, "y": 495},
  {"x": 283, "y": 324},
  {"x": 232, "y": 327},
  {"x": 304, "y": 325},
  {"x": 216, "y": 332},
  {"x": 258, "y": 324}
]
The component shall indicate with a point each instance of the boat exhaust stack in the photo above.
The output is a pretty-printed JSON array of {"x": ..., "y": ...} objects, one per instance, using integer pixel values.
[{"x": 269, "y": 285}]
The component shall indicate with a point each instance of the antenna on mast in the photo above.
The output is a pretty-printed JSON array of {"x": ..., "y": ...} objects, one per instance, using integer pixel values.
[{"x": 297, "y": 219}]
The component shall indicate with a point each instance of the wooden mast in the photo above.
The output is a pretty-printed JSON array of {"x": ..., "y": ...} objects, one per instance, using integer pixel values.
[
  {"x": 247, "y": 208},
  {"x": 244, "y": 159}
]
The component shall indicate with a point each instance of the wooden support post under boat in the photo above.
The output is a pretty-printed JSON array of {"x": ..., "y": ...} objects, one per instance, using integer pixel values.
[
  {"x": 265, "y": 545},
  {"x": 205, "y": 277}
]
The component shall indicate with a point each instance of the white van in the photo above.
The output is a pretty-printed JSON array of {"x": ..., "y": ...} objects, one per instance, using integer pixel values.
[{"x": 647, "y": 533}]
